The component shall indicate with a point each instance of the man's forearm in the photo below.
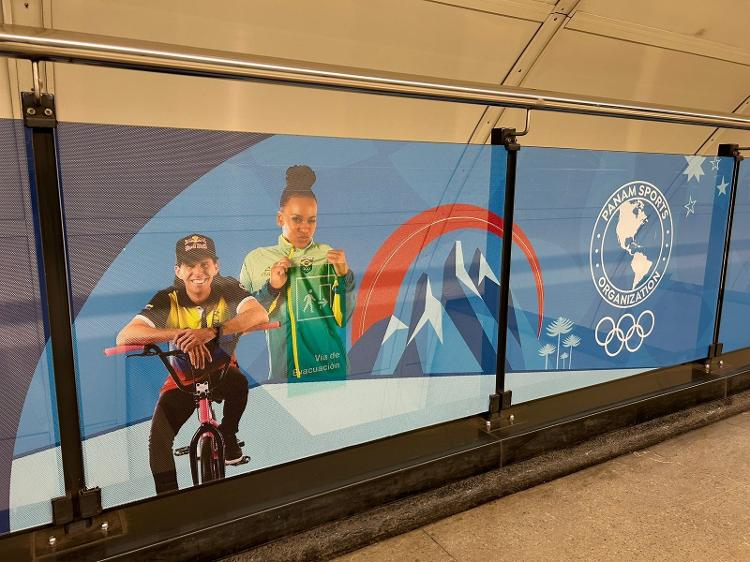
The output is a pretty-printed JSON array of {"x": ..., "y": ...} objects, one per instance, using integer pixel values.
[
  {"x": 142, "y": 334},
  {"x": 245, "y": 320}
]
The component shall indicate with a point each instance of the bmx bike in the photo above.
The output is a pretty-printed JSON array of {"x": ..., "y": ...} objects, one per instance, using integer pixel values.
[{"x": 206, "y": 449}]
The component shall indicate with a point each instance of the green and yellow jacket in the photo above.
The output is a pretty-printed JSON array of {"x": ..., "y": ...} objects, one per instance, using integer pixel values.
[{"x": 313, "y": 308}]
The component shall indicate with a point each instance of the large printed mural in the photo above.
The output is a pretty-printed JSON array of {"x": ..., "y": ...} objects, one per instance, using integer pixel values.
[
  {"x": 390, "y": 288},
  {"x": 419, "y": 229}
]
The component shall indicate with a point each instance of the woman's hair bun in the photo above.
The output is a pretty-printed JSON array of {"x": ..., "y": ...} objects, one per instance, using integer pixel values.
[{"x": 299, "y": 178}]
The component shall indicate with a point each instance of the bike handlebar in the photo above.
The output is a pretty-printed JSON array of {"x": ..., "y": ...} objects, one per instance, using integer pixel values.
[
  {"x": 110, "y": 351},
  {"x": 152, "y": 349}
]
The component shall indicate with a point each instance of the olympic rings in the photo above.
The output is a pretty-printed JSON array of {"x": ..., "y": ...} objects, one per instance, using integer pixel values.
[{"x": 626, "y": 330}]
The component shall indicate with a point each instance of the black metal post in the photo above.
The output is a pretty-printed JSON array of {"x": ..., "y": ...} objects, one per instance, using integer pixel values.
[
  {"x": 732, "y": 150},
  {"x": 39, "y": 116},
  {"x": 502, "y": 398}
]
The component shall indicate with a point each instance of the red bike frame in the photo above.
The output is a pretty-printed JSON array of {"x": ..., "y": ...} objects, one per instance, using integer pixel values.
[{"x": 207, "y": 440}]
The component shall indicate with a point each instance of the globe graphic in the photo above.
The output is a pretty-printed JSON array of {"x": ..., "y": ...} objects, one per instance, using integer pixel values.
[{"x": 632, "y": 244}]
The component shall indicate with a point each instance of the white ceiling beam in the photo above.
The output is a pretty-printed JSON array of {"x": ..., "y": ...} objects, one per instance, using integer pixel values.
[
  {"x": 529, "y": 10},
  {"x": 644, "y": 35},
  {"x": 554, "y": 21}
]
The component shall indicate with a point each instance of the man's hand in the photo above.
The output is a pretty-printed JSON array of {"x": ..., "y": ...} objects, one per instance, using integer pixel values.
[
  {"x": 337, "y": 258},
  {"x": 193, "y": 342},
  {"x": 279, "y": 274},
  {"x": 192, "y": 337},
  {"x": 199, "y": 356}
]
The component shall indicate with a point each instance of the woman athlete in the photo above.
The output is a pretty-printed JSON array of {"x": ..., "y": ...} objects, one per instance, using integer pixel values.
[{"x": 305, "y": 285}]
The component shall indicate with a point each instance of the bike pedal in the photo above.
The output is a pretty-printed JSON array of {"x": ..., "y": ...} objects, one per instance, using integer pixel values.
[
  {"x": 244, "y": 460},
  {"x": 181, "y": 451}
]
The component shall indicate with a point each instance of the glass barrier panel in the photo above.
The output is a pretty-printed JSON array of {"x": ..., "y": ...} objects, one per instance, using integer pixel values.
[
  {"x": 30, "y": 462},
  {"x": 385, "y": 285},
  {"x": 733, "y": 331},
  {"x": 628, "y": 249}
]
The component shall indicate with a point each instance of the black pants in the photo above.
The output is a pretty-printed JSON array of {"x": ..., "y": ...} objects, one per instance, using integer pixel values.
[{"x": 174, "y": 408}]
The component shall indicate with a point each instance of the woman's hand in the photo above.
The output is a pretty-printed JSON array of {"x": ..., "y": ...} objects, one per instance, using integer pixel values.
[
  {"x": 337, "y": 258},
  {"x": 279, "y": 274}
]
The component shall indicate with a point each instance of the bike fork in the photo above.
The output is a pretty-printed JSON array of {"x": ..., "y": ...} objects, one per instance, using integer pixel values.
[{"x": 208, "y": 428}]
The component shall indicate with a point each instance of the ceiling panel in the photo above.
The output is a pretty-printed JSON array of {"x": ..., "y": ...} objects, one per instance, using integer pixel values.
[
  {"x": 581, "y": 63},
  {"x": 600, "y": 66},
  {"x": 102, "y": 95},
  {"x": 723, "y": 21},
  {"x": 424, "y": 38}
]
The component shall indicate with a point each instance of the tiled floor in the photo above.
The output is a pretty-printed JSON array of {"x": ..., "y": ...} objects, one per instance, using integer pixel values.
[{"x": 685, "y": 499}]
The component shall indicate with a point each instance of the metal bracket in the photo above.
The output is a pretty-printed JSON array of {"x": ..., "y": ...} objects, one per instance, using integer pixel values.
[
  {"x": 506, "y": 137},
  {"x": 732, "y": 150},
  {"x": 38, "y": 110},
  {"x": 49, "y": 542},
  {"x": 499, "y": 403},
  {"x": 85, "y": 504},
  {"x": 713, "y": 360}
]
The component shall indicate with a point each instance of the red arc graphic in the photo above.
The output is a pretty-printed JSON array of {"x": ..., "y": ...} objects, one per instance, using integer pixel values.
[{"x": 382, "y": 280}]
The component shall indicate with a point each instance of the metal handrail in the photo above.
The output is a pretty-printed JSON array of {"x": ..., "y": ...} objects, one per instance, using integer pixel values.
[{"x": 79, "y": 48}]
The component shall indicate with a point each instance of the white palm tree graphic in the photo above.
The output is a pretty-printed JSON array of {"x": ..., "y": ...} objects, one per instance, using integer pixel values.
[
  {"x": 570, "y": 342},
  {"x": 545, "y": 351},
  {"x": 557, "y": 328},
  {"x": 564, "y": 356}
]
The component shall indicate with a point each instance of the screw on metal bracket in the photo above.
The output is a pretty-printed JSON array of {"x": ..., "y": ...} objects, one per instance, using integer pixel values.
[
  {"x": 721, "y": 362},
  {"x": 52, "y": 541},
  {"x": 105, "y": 526},
  {"x": 47, "y": 111},
  {"x": 708, "y": 365},
  {"x": 511, "y": 419},
  {"x": 30, "y": 111}
]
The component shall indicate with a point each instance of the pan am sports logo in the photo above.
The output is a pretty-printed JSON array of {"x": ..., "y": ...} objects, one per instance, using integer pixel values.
[{"x": 631, "y": 244}]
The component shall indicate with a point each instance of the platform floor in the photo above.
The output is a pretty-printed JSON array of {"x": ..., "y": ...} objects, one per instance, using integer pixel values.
[{"x": 687, "y": 498}]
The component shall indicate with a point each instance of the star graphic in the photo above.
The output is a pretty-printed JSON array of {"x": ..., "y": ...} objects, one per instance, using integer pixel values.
[
  {"x": 722, "y": 187},
  {"x": 694, "y": 167},
  {"x": 690, "y": 206},
  {"x": 715, "y": 163}
]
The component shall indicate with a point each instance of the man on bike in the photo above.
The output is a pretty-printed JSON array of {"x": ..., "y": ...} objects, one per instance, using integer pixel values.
[{"x": 203, "y": 314}]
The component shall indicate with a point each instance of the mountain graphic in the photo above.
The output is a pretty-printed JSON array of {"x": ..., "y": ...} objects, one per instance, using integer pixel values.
[
  {"x": 434, "y": 340},
  {"x": 392, "y": 347},
  {"x": 486, "y": 281},
  {"x": 451, "y": 330},
  {"x": 464, "y": 304}
]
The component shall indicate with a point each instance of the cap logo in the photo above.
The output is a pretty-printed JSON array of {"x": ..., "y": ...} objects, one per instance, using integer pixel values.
[{"x": 195, "y": 243}]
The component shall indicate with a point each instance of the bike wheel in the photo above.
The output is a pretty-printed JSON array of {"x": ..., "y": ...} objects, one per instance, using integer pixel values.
[{"x": 209, "y": 465}]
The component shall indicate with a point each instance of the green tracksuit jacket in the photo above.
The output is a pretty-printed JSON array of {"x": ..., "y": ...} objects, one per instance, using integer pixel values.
[{"x": 313, "y": 309}]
